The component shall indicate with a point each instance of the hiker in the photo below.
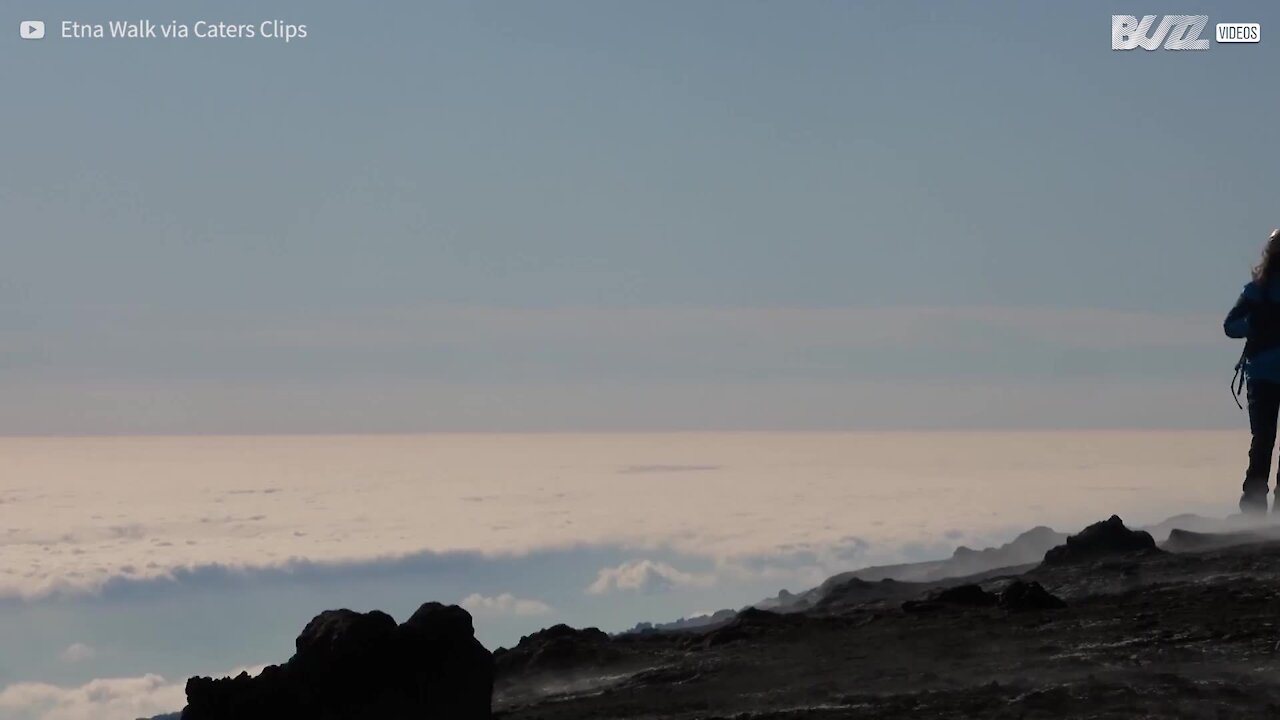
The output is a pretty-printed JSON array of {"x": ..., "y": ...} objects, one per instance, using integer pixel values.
[{"x": 1256, "y": 317}]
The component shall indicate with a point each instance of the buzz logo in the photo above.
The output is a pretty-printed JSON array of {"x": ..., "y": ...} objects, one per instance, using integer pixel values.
[{"x": 1175, "y": 32}]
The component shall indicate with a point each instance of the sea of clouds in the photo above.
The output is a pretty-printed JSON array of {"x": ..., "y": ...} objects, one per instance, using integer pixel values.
[{"x": 130, "y": 563}]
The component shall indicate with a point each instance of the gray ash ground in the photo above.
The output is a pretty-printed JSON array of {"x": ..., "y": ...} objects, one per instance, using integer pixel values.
[{"x": 1144, "y": 633}]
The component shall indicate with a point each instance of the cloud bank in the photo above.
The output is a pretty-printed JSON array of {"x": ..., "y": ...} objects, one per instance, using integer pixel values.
[
  {"x": 99, "y": 699},
  {"x": 503, "y": 604},
  {"x": 300, "y": 504},
  {"x": 119, "y": 698}
]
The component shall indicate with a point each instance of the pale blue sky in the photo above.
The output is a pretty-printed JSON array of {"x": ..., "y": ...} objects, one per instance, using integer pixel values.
[{"x": 448, "y": 216}]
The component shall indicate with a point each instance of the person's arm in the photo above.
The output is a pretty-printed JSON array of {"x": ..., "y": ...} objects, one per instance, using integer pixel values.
[{"x": 1237, "y": 323}]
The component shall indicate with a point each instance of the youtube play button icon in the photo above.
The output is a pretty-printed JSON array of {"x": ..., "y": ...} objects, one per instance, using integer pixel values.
[{"x": 31, "y": 29}]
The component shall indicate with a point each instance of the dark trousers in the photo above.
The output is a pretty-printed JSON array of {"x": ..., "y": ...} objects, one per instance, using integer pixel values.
[{"x": 1264, "y": 408}]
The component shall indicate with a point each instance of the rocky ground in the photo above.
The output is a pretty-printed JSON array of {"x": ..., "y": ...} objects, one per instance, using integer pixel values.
[{"x": 1109, "y": 626}]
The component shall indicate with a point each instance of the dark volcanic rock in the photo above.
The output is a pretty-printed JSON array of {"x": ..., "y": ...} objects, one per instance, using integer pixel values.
[
  {"x": 972, "y": 595},
  {"x": 698, "y": 622},
  {"x": 1146, "y": 635},
  {"x": 1019, "y": 595},
  {"x": 340, "y": 643},
  {"x": 554, "y": 648},
  {"x": 361, "y": 666},
  {"x": 1027, "y": 548},
  {"x": 1022, "y": 595},
  {"x": 750, "y": 623},
  {"x": 854, "y": 592},
  {"x": 1109, "y": 537},
  {"x": 753, "y": 616},
  {"x": 960, "y": 595},
  {"x": 439, "y": 642}
]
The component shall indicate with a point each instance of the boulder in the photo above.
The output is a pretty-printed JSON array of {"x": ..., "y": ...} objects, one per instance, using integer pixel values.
[
  {"x": 1101, "y": 539},
  {"x": 969, "y": 595},
  {"x": 750, "y": 622},
  {"x": 1021, "y": 595},
  {"x": 345, "y": 643},
  {"x": 360, "y": 666},
  {"x": 452, "y": 672},
  {"x": 555, "y": 648}
]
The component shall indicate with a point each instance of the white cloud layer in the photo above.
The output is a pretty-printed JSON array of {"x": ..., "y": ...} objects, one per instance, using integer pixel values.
[
  {"x": 504, "y": 604},
  {"x": 76, "y": 513},
  {"x": 100, "y": 699}
]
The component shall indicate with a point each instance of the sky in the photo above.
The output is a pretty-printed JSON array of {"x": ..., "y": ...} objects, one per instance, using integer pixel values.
[{"x": 627, "y": 216}]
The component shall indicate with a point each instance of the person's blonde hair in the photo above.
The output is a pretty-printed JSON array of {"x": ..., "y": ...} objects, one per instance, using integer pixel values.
[{"x": 1266, "y": 267}]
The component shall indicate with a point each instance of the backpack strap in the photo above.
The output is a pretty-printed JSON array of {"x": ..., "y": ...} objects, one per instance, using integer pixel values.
[{"x": 1237, "y": 381}]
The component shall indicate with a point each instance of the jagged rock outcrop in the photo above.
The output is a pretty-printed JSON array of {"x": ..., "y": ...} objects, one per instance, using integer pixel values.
[
  {"x": 968, "y": 595},
  {"x": 1101, "y": 539},
  {"x": 363, "y": 666},
  {"x": 1018, "y": 596},
  {"x": 751, "y": 622},
  {"x": 1145, "y": 634},
  {"x": 854, "y": 592},
  {"x": 554, "y": 648},
  {"x": 1028, "y": 548},
  {"x": 698, "y": 622},
  {"x": 971, "y": 595},
  {"x": 1022, "y": 595}
]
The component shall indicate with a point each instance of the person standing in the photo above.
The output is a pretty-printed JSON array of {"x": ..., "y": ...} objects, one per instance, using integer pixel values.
[{"x": 1256, "y": 318}]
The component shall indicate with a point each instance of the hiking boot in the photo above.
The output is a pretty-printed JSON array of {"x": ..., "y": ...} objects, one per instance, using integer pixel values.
[{"x": 1254, "y": 503}]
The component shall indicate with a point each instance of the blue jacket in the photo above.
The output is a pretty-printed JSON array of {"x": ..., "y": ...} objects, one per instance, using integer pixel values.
[{"x": 1266, "y": 364}]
